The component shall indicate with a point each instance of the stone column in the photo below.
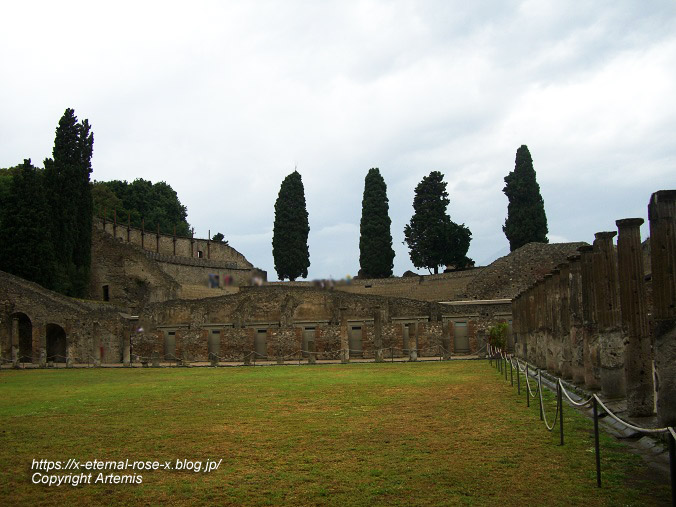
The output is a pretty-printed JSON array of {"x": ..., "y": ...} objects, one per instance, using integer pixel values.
[
  {"x": 662, "y": 216},
  {"x": 565, "y": 364},
  {"x": 40, "y": 331},
  {"x": 548, "y": 328},
  {"x": 611, "y": 339},
  {"x": 538, "y": 302},
  {"x": 418, "y": 335},
  {"x": 638, "y": 366},
  {"x": 96, "y": 344},
  {"x": 15, "y": 342},
  {"x": 378, "y": 334},
  {"x": 576, "y": 322},
  {"x": 553, "y": 316},
  {"x": 531, "y": 342},
  {"x": 516, "y": 322},
  {"x": 344, "y": 342},
  {"x": 126, "y": 347},
  {"x": 521, "y": 328},
  {"x": 312, "y": 357},
  {"x": 592, "y": 376},
  {"x": 70, "y": 350}
]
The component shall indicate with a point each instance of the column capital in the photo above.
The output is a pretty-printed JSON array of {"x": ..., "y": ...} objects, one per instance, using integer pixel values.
[
  {"x": 629, "y": 222},
  {"x": 605, "y": 235}
]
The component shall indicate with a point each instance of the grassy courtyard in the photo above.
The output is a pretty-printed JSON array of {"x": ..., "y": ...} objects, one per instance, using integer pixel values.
[{"x": 451, "y": 433}]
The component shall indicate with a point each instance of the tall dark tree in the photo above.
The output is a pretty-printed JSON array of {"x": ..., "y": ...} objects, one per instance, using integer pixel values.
[
  {"x": 291, "y": 230},
  {"x": 376, "y": 256},
  {"x": 526, "y": 220},
  {"x": 69, "y": 196},
  {"x": 26, "y": 249},
  {"x": 433, "y": 238}
]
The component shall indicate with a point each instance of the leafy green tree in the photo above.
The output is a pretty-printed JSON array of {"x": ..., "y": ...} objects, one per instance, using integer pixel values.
[
  {"x": 526, "y": 220},
  {"x": 26, "y": 249},
  {"x": 376, "y": 255},
  {"x": 498, "y": 334},
  {"x": 154, "y": 203},
  {"x": 70, "y": 200},
  {"x": 433, "y": 239},
  {"x": 291, "y": 230},
  {"x": 218, "y": 237}
]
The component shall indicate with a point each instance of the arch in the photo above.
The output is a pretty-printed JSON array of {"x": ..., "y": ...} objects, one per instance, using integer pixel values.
[
  {"x": 56, "y": 343},
  {"x": 25, "y": 338}
]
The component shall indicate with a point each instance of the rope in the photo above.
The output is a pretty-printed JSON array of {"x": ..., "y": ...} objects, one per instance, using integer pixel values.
[
  {"x": 635, "y": 428},
  {"x": 559, "y": 382},
  {"x": 571, "y": 401},
  {"x": 544, "y": 413}
]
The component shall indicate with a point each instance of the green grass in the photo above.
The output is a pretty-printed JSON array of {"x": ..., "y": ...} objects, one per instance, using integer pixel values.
[{"x": 451, "y": 433}]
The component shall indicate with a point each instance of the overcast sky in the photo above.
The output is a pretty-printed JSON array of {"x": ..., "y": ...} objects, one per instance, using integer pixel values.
[{"x": 223, "y": 99}]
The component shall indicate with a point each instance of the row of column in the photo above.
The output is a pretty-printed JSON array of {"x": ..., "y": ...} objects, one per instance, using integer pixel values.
[{"x": 589, "y": 319}]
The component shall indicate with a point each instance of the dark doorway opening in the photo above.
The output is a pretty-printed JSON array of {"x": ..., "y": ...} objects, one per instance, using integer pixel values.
[
  {"x": 25, "y": 337},
  {"x": 106, "y": 293},
  {"x": 56, "y": 343}
]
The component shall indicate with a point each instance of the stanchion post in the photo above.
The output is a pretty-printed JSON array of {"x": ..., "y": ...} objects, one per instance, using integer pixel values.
[
  {"x": 559, "y": 392},
  {"x": 596, "y": 443},
  {"x": 518, "y": 379},
  {"x": 542, "y": 418},
  {"x": 527, "y": 390},
  {"x": 672, "y": 466}
]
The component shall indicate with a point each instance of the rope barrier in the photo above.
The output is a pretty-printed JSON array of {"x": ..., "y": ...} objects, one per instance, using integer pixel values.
[{"x": 595, "y": 401}]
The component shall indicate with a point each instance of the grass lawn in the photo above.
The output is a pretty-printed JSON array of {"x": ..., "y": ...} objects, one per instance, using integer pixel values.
[{"x": 438, "y": 433}]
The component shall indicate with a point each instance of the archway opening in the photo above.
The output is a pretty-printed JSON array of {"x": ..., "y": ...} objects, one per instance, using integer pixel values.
[
  {"x": 56, "y": 343},
  {"x": 25, "y": 337}
]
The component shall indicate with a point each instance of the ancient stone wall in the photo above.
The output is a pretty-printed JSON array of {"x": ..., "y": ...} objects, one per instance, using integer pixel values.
[
  {"x": 192, "y": 248},
  {"x": 133, "y": 273},
  {"x": 41, "y": 326},
  {"x": 284, "y": 313}
]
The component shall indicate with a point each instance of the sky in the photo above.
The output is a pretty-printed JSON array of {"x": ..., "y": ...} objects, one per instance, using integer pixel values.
[{"x": 222, "y": 100}]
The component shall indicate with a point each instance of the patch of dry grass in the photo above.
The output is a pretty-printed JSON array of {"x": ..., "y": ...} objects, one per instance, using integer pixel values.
[{"x": 450, "y": 433}]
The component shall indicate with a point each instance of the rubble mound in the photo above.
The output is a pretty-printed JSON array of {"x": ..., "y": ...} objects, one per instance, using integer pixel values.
[{"x": 508, "y": 276}]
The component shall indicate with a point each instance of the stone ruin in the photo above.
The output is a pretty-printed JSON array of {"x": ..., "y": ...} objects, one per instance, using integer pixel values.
[{"x": 591, "y": 320}]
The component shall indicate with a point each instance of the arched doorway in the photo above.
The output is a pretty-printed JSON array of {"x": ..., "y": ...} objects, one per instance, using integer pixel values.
[
  {"x": 25, "y": 337},
  {"x": 56, "y": 343}
]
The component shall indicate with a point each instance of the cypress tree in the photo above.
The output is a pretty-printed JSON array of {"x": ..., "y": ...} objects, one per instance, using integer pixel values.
[
  {"x": 291, "y": 230},
  {"x": 376, "y": 256},
  {"x": 25, "y": 240},
  {"x": 433, "y": 238},
  {"x": 70, "y": 200},
  {"x": 526, "y": 220}
]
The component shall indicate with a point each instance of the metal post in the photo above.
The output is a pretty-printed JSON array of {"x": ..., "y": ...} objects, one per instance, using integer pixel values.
[
  {"x": 540, "y": 394},
  {"x": 527, "y": 390},
  {"x": 518, "y": 379},
  {"x": 672, "y": 466},
  {"x": 505, "y": 359},
  {"x": 511, "y": 374},
  {"x": 596, "y": 444},
  {"x": 559, "y": 392}
]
